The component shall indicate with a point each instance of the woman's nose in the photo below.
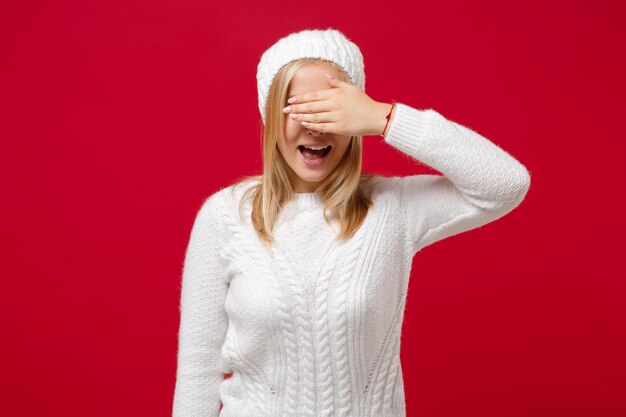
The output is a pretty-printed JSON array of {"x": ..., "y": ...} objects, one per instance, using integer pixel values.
[{"x": 313, "y": 132}]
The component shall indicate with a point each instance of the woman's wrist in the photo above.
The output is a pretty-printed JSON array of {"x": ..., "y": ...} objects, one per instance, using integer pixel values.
[{"x": 387, "y": 110}]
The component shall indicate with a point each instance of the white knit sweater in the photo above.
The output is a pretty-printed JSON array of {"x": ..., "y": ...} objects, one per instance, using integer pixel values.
[{"x": 313, "y": 328}]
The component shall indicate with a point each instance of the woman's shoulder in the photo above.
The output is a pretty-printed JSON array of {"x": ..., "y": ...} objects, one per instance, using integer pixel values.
[
  {"x": 394, "y": 184},
  {"x": 218, "y": 208},
  {"x": 397, "y": 186},
  {"x": 235, "y": 189},
  {"x": 228, "y": 198}
]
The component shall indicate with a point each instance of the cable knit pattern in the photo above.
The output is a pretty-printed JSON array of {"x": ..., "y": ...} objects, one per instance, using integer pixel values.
[{"x": 311, "y": 326}]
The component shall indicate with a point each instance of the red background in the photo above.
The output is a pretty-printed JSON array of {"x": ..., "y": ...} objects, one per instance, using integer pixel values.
[{"x": 118, "y": 118}]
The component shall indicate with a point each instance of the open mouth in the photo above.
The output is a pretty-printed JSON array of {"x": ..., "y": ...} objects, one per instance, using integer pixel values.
[
  {"x": 314, "y": 157},
  {"x": 313, "y": 153}
]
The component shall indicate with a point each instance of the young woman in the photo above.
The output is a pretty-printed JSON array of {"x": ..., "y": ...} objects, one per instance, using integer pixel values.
[{"x": 295, "y": 281}]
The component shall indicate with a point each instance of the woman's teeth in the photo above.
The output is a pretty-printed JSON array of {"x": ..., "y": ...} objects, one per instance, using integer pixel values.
[
  {"x": 314, "y": 155},
  {"x": 316, "y": 148}
]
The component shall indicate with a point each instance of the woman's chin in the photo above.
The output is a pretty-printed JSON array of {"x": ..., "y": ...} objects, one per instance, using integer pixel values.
[{"x": 306, "y": 177}]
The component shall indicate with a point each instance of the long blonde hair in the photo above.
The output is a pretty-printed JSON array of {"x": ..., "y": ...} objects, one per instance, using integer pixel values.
[{"x": 345, "y": 192}]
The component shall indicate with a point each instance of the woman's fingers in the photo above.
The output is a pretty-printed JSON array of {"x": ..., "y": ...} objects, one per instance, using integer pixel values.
[
  {"x": 322, "y": 117},
  {"x": 309, "y": 107},
  {"x": 316, "y": 110},
  {"x": 314, "y": 96},
  {"x": 320, "y": 127}
]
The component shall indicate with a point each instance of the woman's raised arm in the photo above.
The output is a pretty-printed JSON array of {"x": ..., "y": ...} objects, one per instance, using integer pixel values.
[{"x": 481, "y": 182}]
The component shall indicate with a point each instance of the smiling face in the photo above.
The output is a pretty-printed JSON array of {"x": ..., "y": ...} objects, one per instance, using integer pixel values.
[{"x": 308, "y": 171}]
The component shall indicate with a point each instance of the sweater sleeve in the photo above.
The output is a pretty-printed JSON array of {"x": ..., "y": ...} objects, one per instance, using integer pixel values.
[
  {"x": 480, "y": 182},
  {"x": 203, "y": 319}
]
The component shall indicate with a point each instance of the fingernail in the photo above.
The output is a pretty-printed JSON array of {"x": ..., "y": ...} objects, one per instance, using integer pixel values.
[
  {"x": 291, "y": 100},
  {"x": 287, "y": 109}
]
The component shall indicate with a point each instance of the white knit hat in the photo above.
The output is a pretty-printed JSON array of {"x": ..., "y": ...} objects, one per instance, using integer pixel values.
[{"x": 329, "y": 44}]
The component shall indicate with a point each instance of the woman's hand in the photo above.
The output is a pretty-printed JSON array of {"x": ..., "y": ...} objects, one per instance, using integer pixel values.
[{"x": 343, "y": 109}]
